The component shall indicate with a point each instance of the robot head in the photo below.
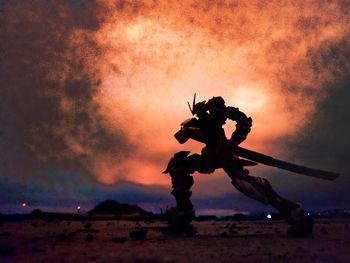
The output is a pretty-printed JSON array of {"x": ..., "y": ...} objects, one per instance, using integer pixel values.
[
  {"x": 216, "y": 103},
  {"x": 216, "y": 107},
  {"x": 199, "y": 108}
]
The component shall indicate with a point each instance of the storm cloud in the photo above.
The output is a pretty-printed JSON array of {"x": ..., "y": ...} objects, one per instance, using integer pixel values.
[
  {"x": 48, "y": 84},
  {"x": 92, "y": 91}
]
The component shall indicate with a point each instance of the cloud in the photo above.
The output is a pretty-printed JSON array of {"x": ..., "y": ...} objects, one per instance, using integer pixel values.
[
  {"x": 48, "y": 84},
  {"x": 324, "y": 146},
  {"x": 260, "y": 56},
  {"x": 99, "y": 88}
]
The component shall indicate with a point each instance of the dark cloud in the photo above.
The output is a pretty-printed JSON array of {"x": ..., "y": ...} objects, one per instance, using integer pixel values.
[
  {"x": 51, "y": 130},
  {"x": 323, "y": 142},
  {"x": 326, "y": 136},
  {"x": 48, "y": 84},
  {"x": 326, "y": 139}
]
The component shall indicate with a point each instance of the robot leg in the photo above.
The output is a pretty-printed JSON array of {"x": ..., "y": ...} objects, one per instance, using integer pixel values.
[
  {"x": 180, "y": 168},
  {"x": 182, "y": 181},
  {"x": 261, "y": 190}
]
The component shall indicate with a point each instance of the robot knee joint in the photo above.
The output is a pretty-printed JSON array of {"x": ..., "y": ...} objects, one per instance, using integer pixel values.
[{"x": 178, "y": 164}]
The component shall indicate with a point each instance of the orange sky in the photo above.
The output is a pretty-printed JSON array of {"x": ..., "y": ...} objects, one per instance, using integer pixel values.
[
  {"x": 92, "y": 93},
  {"x": 156, "y": 56}
]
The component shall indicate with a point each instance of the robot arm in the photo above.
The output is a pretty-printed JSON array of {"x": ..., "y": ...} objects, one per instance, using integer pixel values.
[
  {"x": 189, "y": 130},
  {"x": 243, "y": 125}
]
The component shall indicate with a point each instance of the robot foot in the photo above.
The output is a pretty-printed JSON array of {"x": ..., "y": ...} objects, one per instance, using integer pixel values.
[
  {"x": 301, "y": 223},
  {"x": 180, "y": 222},
  {"x": 175, "y": 216}
]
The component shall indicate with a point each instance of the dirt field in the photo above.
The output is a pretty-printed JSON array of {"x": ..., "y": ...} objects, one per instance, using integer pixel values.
[{"x": 216, "y": 241}]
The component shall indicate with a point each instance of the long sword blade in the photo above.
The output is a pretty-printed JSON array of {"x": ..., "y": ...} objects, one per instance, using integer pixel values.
[{"x": 270, "y": 161}]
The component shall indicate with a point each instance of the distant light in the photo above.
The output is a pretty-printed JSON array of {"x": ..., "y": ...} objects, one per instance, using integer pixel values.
[
  {"x": 308, "y": 214},
  {"x": 269, "y": 216},
  {"x": 24, "y": 204},
  {"x": 78, "y": 208}
]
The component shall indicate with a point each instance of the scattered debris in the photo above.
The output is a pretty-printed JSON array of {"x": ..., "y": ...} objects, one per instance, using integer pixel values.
[
  {"x": 7, "y": 250},
  {"x": 71, "y": 234},
  {"x": 224, "y": 234},
  {"x": 178, "y": 230},
  {"x": 233, "y": 232},
  {"x": 119, "y": 239},
  {"x": 86, "y": 230},
  {"x": 229, "y": 225},
  {"x": 147, "y": 260},
  {"x": 35, "y": 239},
  {"x": 38, "y": 250},
  {"x": 324, "y": 231},
  {"x": 138, "y": 234},
  {"x": 5, "y": 234},
  {"x": 64, "y": 237},
  {"x": 35, "y": 224},
  {"x": 89, "y": 238},
  {"x": 88, "y": 225}
]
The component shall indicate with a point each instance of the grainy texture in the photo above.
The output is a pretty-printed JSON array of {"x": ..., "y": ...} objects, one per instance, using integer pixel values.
[{"x": 217, "y": 241}]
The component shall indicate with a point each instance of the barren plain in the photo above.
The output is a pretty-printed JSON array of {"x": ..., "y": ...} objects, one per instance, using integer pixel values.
[{"x": 217, "y": 241}]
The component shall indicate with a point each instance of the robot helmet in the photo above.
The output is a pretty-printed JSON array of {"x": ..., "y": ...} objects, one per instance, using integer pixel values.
[{"x": 216, "y": 103}]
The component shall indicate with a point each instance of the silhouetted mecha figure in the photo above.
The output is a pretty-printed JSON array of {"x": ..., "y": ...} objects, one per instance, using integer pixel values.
[{"x": 219, "y": 152}]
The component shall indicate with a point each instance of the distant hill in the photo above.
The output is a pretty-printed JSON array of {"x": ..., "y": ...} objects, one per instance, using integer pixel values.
[{"x": 110, "y": 207}]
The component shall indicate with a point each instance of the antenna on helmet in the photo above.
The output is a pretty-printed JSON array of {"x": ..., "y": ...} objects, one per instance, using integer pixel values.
[
  {"x": 190, "y": 107},
  {"x": 194, "y": 102}
]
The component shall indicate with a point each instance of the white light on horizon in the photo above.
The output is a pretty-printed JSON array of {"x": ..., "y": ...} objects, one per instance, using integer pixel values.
[{"x": 269, "y": 216}]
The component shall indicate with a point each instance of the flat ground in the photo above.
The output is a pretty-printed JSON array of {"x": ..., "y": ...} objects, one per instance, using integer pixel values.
[{"x": 216, "y": 241}]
